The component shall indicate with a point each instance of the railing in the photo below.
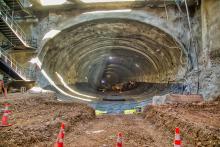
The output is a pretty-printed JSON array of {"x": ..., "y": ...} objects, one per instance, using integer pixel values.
[
  {"x": 5, "y": 15},
  {"x": 14, "y": 65},
  {"x": 32, "y": 42},
  {"x": 24, "y": 3},
  {"x": 5, "y": 45}
]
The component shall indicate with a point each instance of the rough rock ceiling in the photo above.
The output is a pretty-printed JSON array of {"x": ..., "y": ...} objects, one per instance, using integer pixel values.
[{"x": 114, "y": 50}]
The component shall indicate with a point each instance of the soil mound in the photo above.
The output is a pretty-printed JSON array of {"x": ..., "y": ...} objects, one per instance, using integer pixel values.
[
  {"x": 36, "y": 119},
  {"x": 199, "y": 123}
]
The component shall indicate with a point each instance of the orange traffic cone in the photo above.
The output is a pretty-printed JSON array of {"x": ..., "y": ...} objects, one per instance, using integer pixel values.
[
  {"x": 60, "y": 137},
  {"x": 177, "y": 141},
  {"x": 119, "y": 140},
  {"x": 4, "y": 122}
]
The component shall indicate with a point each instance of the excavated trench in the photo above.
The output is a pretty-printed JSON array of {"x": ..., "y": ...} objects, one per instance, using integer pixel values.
[{"x": 89, "y": 59}]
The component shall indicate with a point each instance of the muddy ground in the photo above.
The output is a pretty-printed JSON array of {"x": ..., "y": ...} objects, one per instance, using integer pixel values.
[{"x": 36, "y": 120}]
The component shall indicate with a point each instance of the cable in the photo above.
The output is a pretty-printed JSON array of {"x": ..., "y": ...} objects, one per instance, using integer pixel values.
[
  {"x": 187, "y": 11},
  {"x": 178, "y": 2},
  {"x": 166, "y": 9}
]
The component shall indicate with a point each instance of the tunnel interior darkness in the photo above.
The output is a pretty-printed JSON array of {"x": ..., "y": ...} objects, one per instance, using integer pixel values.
[{"x": 102, "y": 53}]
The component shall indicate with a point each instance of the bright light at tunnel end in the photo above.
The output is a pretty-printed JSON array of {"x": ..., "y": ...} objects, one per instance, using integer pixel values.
[{"x": 110, "y": 58}]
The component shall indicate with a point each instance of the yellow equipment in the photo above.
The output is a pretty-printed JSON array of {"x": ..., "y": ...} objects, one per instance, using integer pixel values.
[
  {"x": 130, "y": 111},
  {"x": 99, "y": 112}
]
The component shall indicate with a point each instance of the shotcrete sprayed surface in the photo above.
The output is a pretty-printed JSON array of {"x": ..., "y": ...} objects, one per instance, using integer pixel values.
[{"x": 36, "y": 120}]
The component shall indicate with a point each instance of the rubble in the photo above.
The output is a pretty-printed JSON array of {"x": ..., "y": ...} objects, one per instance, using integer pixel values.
[{"x": 176, "y": 98}]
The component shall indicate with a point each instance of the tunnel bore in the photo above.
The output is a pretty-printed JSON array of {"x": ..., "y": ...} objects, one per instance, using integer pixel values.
[{"x": 90, "y": 59}]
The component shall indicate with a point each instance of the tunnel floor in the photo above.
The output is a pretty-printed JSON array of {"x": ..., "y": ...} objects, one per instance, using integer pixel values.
[
  {"x": 143, "y": 91},
  {"x": 38, "y": 116},
  {"x": 116, "y": 102}
]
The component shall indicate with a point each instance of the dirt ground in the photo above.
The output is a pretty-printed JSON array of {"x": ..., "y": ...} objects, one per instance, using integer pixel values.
[
  {"x": 199, "y": 122},
  {"x": 36, "y": 120}
]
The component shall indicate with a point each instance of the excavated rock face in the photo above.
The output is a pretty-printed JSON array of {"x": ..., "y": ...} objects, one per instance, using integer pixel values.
[
  {"x": 112, "y": 50},
  {"x": 192, "y": 119},
  {"x": 210, "y": 55}
]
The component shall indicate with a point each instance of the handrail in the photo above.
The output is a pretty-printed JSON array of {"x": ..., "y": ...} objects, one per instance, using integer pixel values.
[
  {"x": 13, "y": 64},
  {"x": 5, "y": 44},
  {"x": 24, "y": 3},
  {"x": 12, "y": 24},
  {"x": 5, "y": 15}
]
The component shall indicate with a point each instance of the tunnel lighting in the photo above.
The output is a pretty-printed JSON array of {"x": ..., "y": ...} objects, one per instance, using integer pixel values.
[
  {"x": 109, "y": 11},
  {"x": 107, "y": 1},
  {"x": 51, "y": 34},
  {"x": 60, "y": 90},
  {"x": 137, "y": 65},
  {"x": 36, "y": 61},
  {"x": 33, "y": 61},
  {"x": 108, "y": 76},
  {"x": 110, "y": 57},
  {"x": 70, "y": 89},
  {"x": 37, "y": 90},
  {"x": 52, "y": 2},
  {"x": 102, "y": 81}
]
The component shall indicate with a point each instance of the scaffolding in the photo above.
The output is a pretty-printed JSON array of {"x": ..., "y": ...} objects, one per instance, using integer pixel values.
[
  {"x": 8, "y": 20},
  {"x": 23, "y": 73}
]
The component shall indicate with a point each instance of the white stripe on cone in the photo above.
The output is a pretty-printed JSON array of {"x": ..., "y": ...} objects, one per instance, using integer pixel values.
[{"x": 177, "y": 137}]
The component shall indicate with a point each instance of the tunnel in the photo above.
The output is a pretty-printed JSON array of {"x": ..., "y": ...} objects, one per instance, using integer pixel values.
[{"x": 119, "y": 57}]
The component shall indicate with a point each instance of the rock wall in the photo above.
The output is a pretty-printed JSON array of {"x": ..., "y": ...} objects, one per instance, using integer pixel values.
[{"x": 210, "y": 55}]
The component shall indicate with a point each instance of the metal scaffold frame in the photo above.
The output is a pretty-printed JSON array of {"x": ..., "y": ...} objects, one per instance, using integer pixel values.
[
  {"x": 4, "y": 14},
  {"x": 14, "y": 26},
  {"x": 13, "y": 64}
]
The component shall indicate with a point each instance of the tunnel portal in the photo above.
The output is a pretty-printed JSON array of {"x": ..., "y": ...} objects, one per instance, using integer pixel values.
[{"x": 117, "y": 57}]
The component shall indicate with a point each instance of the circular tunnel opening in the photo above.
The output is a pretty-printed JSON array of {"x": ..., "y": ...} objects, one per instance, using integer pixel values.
[
  {"x": 104, "y": 58},
  {"x": 118, "y": 70}
]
